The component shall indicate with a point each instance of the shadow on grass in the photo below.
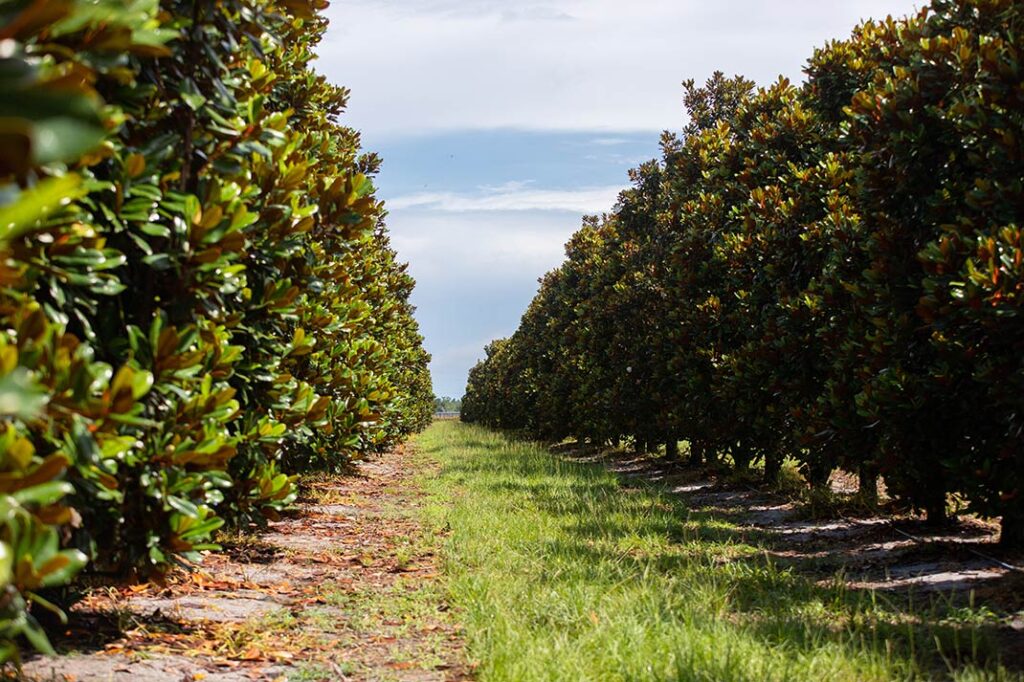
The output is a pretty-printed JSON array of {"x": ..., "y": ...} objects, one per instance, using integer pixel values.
[{"x": 799, "y": 604}]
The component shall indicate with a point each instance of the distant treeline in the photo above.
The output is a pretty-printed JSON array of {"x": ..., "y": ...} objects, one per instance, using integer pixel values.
[
  {"x": 447, "y": 404},
  {"x": 831, "y": 271}
]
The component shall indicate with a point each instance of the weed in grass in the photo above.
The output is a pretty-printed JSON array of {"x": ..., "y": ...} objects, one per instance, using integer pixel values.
[
  {"x": 403, "y": 556},
  {"x": 323, "y": 619},
  {"x": 318, "y": 672}
]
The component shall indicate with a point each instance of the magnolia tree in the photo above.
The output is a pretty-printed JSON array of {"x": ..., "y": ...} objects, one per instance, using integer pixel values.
[
  {"x": 199, "y": 296},
  {"x": 829, "y": 272}
]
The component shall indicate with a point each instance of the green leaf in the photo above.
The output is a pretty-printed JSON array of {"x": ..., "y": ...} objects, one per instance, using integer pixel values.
[
  {"x": 183, "y": 506},
  {"x": 37, "y": 638},
  {"x": 63, "y": 575},
  {"x": 6, "y": 563},
  {"x": 195, "y": 101},
  {"x": 20, "y": 396},
  {"x": 45, "y": 493},
  {"x": 63, "y": 139},
  {"x": 34, "y": 205}
]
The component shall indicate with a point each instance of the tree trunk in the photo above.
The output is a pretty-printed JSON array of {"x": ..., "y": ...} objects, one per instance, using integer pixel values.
[
  {"x": 742, "y": 457},
  {"x": 696, "y": 453},
  {"x": 867, "y": 488},
  {"x": 935, "y": 510},
  {"x": 772, "y": 468},
  {"x": 1012, "y": 528},
  {"x": 818, "y": 474},
  {"x": 672, "y": 449}
]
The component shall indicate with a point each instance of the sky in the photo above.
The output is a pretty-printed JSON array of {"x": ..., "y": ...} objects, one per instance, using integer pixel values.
[{"x": 502, "y": 122}]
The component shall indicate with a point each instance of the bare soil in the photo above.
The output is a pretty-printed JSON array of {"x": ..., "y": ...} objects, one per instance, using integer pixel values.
[{"x": 346, "y": 588}]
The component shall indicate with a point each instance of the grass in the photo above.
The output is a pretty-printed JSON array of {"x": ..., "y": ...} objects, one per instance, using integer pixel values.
[{"x": 558, "y": 573}]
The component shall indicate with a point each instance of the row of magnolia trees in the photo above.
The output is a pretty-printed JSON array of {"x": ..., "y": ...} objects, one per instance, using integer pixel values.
[
  {"x": 832, "y": 272},
  {"x": 197, "y": 294}
]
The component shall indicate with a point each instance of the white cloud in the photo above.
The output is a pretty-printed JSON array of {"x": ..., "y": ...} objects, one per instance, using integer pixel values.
[
  {"x": 605, "y": 67},
  {"x": 422, "y": 65},
  {"x": 514, "y": 197},
  {"x": 510, "y": 186},
  {"x": 475, "y": 274},
  {"x": 482, "y": 247}
]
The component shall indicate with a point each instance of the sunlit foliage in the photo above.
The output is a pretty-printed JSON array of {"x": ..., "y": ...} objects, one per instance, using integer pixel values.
[
  {"x": 830, "y": 271},
  {"x": 199, "y": 297}
]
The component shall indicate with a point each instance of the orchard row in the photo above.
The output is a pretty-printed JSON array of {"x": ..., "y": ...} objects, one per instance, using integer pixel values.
[
  {"x": 198, "y": 295},
  {"x": 831, "y": 272}
]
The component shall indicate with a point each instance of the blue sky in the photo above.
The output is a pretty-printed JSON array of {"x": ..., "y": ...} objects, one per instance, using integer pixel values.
[{"x": 502, "y": 123}]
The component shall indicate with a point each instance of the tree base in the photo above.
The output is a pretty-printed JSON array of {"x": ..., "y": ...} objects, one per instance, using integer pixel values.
[
  {"x": 867, "y": 486},
  {"x": 1011, "y": 533},
  {"x": 696, "y": 454},
  {"x": 935, "y": 515},
  {"x": 772, "y": 469}
]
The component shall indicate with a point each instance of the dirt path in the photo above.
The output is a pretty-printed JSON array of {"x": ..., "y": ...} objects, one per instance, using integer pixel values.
[{"x": 346, "y": 589}]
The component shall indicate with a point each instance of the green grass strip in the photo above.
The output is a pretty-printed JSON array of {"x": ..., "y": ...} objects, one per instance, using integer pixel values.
[{"x": 559, "y": 573}]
